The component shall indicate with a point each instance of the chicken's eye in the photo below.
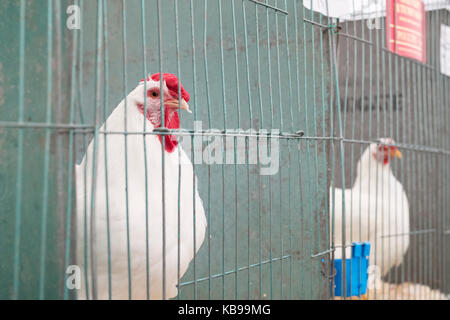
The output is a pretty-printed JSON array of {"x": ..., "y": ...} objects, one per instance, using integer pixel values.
[{"x": 153, "y": 93}]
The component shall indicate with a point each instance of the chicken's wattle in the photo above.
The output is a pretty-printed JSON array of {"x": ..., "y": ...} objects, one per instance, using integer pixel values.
[{"x": 171, "y": 121}]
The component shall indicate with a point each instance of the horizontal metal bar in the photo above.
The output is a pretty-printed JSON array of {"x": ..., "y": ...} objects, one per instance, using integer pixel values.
[
  {"x": 268, "y": 6},
  {"x": 324, "y": 26},
  {"x": 219, "y": 275},
  {"x": 323, "y": 253},
  {"x": 156, "y": 131},
  {"x": 226, "y": 133},
  {"x": 404, "y": 146},
  {"x": 38, "y": 125},
  {"x": 84, "y": 129},
  {"x": 412, "y": 233},
  {"x": 447, "y": 232},
  {"x": 355, "y": 38}
]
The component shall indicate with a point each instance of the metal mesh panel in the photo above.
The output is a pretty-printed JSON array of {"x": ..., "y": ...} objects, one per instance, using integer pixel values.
[
  {"x": 243, "y": 206},
  {"x": 315, "y": 92}
]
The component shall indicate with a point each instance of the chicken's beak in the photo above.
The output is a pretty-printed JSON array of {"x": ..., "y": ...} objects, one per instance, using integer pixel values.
[
  {"x": 396, "y": 153},
  {"x": 174, "y": 103}
]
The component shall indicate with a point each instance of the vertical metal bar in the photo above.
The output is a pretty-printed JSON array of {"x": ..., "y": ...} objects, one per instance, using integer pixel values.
[
  {"x": 70, "y": 161},
  {"x": 324, "y": 112},
  {"x": 225, "y": 127},
  {"x": 297, "y": 77},
  {"x": 378, "y": 105},
  {"x": 177, "y": 40},
  {"x": 438, "y": 114},
  {"x": 236, "y": 65},
  {"x": 316, "y": 245},
  {"x": 94, "y": 157},
  {"x": 440, "y": 117},
  {"x": 435, "y": 105},
  {"x": 426, "y": 158},
  {"x": 279, "y": 154},
  {"x": 48, "y": 119},
  {"x": 401, "y": 231},
  {"x": 345, "y": 47},
  {"x": 429, "y": 158},
  {"x": 288, "y": 60},
  {"x": 247, "y": 156},
  {"x": 144, "y": 141},
  {"x": 163, "y": 166},
  {"x": 416, "y": 165},
  {"x": 341, "y": 134},
  {"x": 269, "y": 68},
  {"x": 332, "y": 157},
  {"x": 409, "y": 139},
  {"x": 18, "y": 213},
  {"x": 352, "y": 152},
  {"x": 420, "y": 164},
  {"x": 363, "y": 69},
  {"x": 85, "y": 145},
  {"x": 389, "y": 213},
  {"x": 261, "y": 115},
  {"x": 383, "y": 192},
  {"x": 60, "y": 116},
  {"x": 403, "y": 177},
  {"x": 370, "y": 137},
  {"x": 125, "y": 93},
  {"x": 307, "y": 142},
  {"x": 244, "y": 17},
  {"x": 208, "y": 99},
  {"x": 447, "y": 103},
  {"x": 105, "y": 149},
  {"x": 446, "y": 211},
  {"x": 444, "y": 285},
  {"x": 194, "y": 75}
]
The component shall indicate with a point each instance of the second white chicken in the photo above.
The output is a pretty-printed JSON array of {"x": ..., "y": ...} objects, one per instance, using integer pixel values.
[{"x": 376, "y": 209}]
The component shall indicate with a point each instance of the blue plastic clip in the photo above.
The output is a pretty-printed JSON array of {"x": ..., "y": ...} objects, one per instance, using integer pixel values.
[{"x": 355, "y": 269}]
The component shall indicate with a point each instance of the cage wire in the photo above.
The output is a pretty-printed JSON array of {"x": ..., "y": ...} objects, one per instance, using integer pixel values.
[{"x": 279, "y": 81}]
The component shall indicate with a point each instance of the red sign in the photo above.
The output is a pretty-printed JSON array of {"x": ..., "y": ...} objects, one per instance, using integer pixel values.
[{"x": 406, "y": 28}]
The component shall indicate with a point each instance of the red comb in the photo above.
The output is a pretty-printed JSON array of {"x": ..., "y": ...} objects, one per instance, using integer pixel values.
[{"x": 172, "y": 84}]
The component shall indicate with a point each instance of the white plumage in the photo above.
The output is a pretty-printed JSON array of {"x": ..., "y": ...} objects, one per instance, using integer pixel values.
[
  {"x": 376, "y": 209},
  {"x": 115, "y": 149}
]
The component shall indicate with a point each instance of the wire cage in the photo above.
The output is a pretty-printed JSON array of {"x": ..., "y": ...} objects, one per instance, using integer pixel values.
[{"x": 286, "y": 94}]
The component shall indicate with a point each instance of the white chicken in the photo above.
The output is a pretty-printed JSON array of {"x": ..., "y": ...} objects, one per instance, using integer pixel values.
[
  {"x": 376, "y": 209},
  {"x": 130, "y": 262}
]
